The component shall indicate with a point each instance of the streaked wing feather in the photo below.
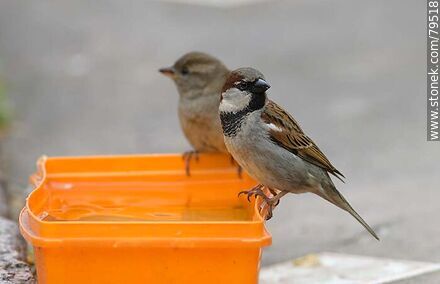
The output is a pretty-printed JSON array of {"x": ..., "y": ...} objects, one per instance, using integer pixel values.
[{"x": 291, "y": 137}]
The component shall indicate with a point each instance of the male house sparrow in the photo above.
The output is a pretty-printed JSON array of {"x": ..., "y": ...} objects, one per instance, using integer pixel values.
[
  {"x": 199, "y": 78},
  {"x": 270, "y": 145}
]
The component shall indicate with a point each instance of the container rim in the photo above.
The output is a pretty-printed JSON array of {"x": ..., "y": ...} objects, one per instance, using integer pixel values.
[
  {"x": 47, "y": 234},
  {"x": 183, "y": 242}
]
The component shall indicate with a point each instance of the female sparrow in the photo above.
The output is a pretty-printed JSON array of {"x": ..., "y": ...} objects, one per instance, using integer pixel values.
[
  {"x": 199, "y": 78},
  {"x": 270, "y": 145}
]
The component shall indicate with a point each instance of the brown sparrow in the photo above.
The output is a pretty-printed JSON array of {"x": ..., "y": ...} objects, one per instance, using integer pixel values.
[
  {"x": 270, "y": 145},
  {"x": 199, "y": 78}
]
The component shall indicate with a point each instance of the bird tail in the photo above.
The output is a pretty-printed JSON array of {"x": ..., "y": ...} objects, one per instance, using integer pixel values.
[{"x": 335, "y": 197}]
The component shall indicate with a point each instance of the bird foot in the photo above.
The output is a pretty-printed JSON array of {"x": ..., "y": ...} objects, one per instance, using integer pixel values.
[
  {"x": 274, "y": 193},
  {"x": 255, "y": 191},
  {"x": 270, "y": 206},
  {"x": 187, "y": 157},
  {"x": 271, "y": 203}
]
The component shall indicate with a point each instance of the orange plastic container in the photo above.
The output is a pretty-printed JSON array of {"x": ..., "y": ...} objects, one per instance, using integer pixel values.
[{"x": 140, "y": 219}]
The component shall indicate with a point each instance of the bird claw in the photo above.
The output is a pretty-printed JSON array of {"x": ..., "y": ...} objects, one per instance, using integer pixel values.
[
  {"x": 249, "y": 194},
  {"x": 269, "y": 211},
  {"x": 255, "y": 191},
  {"x": 271, "y": 203},
  {"x": 274, "y": 193},
  {"x": 270, "y": 208},
  {"x": 187, "y": 157}
]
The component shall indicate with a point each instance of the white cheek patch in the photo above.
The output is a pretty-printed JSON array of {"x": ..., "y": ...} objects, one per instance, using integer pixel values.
[
  {"x": 273, "y": 127},
  {"x": 226, "y": 106},
  {"x": 234, "y": 100}
]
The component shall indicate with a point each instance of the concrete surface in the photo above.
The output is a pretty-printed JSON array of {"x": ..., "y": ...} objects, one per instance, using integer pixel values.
[
  {"x": 4, "y": 210},
  {"x": 13, "y": 267},
  {"x": 83, "y": 79},
  {"x": 331, "y": 268}
]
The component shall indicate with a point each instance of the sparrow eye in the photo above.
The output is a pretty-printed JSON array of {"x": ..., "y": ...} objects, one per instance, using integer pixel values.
[
  {"x": 185, "y": 71},
  {"x": 242, "y": 85}
]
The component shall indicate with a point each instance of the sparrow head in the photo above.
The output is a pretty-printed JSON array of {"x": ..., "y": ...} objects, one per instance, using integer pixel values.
[
  {"x": 245, "y": 89},
  {"x": 195, "y": 71}
]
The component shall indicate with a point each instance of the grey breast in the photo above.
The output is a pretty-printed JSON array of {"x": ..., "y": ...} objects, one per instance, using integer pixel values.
[{"x": 264, "y": 160}]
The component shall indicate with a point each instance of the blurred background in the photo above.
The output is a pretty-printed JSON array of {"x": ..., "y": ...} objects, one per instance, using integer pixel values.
[{"x": 80, "y": 78}]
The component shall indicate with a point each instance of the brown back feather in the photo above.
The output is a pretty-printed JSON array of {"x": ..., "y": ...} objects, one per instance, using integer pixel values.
[{"x": 293, "y": 139}]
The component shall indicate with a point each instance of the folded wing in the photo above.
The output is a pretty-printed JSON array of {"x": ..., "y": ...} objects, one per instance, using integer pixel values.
[{"x": 286, "y": 133}]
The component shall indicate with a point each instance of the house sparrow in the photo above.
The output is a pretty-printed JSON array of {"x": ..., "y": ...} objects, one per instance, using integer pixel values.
[
  {"x": 199, "y": 78},
  {"x": 270, "y": 145}
]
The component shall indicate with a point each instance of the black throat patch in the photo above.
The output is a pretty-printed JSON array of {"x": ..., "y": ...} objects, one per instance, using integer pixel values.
[{"x": 232, "y": 121}]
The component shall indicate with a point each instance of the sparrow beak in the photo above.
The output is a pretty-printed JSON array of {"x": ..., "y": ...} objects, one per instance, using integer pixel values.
[
  {"x": 260, "y": 86},
  {"x": 168, "y": 71}
]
